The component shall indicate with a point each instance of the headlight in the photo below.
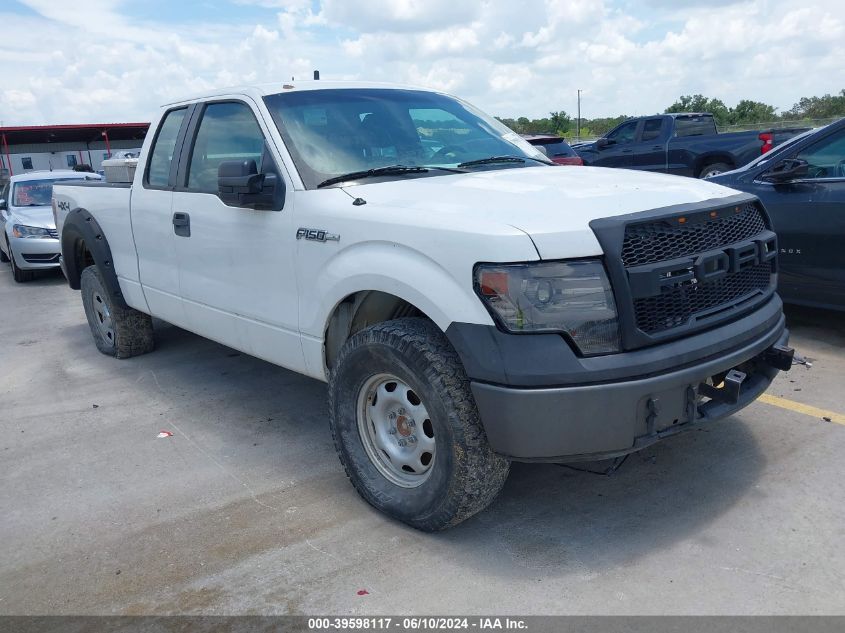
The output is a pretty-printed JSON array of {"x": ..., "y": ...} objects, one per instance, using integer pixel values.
[
  {"x": 572, "y": 298},
  {"x": 21, "y": 230}
]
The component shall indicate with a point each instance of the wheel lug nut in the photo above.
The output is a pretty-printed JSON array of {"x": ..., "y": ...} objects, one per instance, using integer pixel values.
[
  {"x": 401, "y": 410},
  {"x": 403, "y": 442},
  {"x": 412, "y": 439},
  {"x": 391, "y": 416},
  {"x": 392, "y": 430},
  {"x": 411, "y": 423}
]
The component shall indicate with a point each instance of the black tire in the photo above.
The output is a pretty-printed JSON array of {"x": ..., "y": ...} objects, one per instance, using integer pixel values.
[
  {"x": 130, "y": 332},
  {"x": 20, "y": 276},
  {"x": 4, "y": 259},
  {"x": 713, "y": 169},
  {"x": 465, "y": 474}
]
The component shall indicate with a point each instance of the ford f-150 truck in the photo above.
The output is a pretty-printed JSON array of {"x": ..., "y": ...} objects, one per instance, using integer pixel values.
[
  {"x": 685, "y": 144},
  {"x": 468, "y": 303}
]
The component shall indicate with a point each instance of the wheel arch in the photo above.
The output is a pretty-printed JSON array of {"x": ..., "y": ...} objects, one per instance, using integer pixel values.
[
  {"x": 84, "y": 243},
  {"x": 359, "y": 310}
]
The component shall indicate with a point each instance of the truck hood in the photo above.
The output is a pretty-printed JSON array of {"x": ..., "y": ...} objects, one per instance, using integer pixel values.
[
  {"x": 34, "y": 216},
  {"x": 553, "y": 205}
]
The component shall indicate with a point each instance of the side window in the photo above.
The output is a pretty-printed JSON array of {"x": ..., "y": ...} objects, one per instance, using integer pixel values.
[
  {"x": 161, "y": 156},
  {"x": 227, "y": 131},
  {"x": 694, "y": 126},
  {"x": 624, "y": 133},
  {"x": 826, "y": 158},
  {"x": 651, "y": 129},
  {"x": 26, "y": 162},
  {"x": 71, "y": 160}
]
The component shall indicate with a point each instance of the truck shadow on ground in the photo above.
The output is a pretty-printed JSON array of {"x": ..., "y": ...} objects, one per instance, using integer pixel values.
[
  {"x": 824, "y": 326},
  {"x": 549, "y": 518}
]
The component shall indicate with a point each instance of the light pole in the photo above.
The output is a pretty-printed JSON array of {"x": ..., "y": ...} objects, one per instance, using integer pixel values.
[
  {"x": 578, "y": 120},
  {"x": 105, "y": 135}
]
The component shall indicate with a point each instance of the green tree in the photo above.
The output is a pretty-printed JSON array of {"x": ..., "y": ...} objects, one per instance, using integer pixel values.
[
  {"x": 560, "y": 122},
  {"x": 747, "y": 111},
  {"x": 818, "y": 107}
]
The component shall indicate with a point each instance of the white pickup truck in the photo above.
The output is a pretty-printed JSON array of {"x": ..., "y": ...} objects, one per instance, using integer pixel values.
[{"x": 468, "y": 303}]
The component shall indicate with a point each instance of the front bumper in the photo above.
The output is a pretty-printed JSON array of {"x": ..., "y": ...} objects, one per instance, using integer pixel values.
[
  {"x": 35, "y": 253},
  {"x": 592, "y": 415}
]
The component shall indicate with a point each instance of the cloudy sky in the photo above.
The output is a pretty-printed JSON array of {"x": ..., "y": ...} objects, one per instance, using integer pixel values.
[{"x": 69, "y": 61}]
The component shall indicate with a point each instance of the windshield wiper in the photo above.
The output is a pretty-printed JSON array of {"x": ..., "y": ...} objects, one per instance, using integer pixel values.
[
  {"x": 501, "y": 159},
  {"x": 388, "y": 170}
]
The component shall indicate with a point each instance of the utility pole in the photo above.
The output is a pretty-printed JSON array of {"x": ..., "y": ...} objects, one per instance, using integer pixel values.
[{"x": 578, "y": 120}]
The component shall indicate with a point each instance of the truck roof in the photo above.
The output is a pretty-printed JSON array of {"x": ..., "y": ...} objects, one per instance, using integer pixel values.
[{"x": 261, "y": 90}]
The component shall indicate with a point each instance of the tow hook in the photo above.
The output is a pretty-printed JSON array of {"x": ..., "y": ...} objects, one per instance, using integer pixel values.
[
  {"x": 781, "y": 357},
  {"x": 728, "y": 391}
]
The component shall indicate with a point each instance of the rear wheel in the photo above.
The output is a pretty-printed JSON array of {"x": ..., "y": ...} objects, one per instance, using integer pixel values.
[
  {"x": 117, "y": 331},
  {"x": 714, "y": 169},
  {"x": 406, "y": 427}
]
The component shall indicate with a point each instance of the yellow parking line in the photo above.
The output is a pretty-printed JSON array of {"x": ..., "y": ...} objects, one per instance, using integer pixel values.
[{"x": 806, "y": 409}]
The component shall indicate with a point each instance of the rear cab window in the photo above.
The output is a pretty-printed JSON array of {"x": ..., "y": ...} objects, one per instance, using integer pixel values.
[
  {"x": 160, "y": 162},
  {"x": 694, "y": 126}
]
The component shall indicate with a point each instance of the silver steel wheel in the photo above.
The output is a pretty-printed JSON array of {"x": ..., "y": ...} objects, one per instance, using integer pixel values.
[
  {"x": 102, "y": 318},
  {"x": 396, "y": 430},
  {"x": 713, "y": 172}
]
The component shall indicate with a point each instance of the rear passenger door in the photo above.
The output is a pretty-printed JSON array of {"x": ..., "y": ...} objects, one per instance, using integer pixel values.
[
  {"x": 236, "y": 264},
  {"x": 151, "y": 219}
]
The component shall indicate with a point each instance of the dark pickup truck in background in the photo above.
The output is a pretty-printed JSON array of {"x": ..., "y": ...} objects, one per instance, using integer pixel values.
[{"x": 685, "y": 144}]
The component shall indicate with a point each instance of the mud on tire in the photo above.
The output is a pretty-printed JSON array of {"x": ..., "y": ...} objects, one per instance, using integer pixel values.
[
  {"x": 118, "y": 331},
  {"x": 464, "y": 475}
]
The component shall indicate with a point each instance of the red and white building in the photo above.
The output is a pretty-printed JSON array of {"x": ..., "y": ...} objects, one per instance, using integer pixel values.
[{"x": 51, "y": 147}]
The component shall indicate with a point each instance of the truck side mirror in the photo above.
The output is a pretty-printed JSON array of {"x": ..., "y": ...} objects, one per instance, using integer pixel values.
[
  {"x": 601, "y": 143},
  {"x": 240, "y": 185},
  {"x": 786, "y": 170}
]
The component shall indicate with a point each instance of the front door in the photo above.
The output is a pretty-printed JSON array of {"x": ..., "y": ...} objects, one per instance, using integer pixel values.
[
  {"x": 620, "y": 149},
  {"x": 236, "y": 264}
]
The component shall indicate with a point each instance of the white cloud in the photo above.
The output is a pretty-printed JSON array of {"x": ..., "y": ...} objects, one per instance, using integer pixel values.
[{"x": 88, "y": 60}]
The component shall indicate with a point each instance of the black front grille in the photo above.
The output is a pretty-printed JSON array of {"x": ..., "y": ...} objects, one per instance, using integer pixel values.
[
  {"x": 675, "y": 306},
  {"x": 662, "y": 240}
]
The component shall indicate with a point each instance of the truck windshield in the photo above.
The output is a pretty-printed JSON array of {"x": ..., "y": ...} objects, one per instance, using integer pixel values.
[
  {"x": 35, "y": 193},
  {"x": 339, "y": 131}
]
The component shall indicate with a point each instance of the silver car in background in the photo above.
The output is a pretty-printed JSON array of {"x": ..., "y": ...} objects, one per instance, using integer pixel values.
[{"x": 28, "y": 237}]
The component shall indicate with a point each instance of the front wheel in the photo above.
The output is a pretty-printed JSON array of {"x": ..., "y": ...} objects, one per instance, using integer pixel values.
[
  {"x": 406, "y": 428},
  {"x": 118, "y": 331},
  {"x": 20, "y": 276}
]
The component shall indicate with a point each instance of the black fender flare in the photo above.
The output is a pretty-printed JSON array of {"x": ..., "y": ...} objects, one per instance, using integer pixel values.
[{"x": 81, "y": 228}]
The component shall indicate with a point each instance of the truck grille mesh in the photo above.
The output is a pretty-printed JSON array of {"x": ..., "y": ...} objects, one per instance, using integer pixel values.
[
  {"x": 664, "y": 240},
  {"x": 652, "y": 242},
  {"x": 677, "y": 305}
]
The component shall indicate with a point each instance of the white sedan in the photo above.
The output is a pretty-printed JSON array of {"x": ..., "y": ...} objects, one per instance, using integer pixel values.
[{"x": 28, "y": 237}]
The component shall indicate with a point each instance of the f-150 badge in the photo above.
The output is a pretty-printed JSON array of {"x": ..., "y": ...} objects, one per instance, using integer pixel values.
[{"x": 316, "y": 235}]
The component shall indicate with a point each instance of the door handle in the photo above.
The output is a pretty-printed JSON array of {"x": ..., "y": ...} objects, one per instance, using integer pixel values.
[
  {"x": 182, "y": 224},
  {"x": 627, "y": 151}
]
